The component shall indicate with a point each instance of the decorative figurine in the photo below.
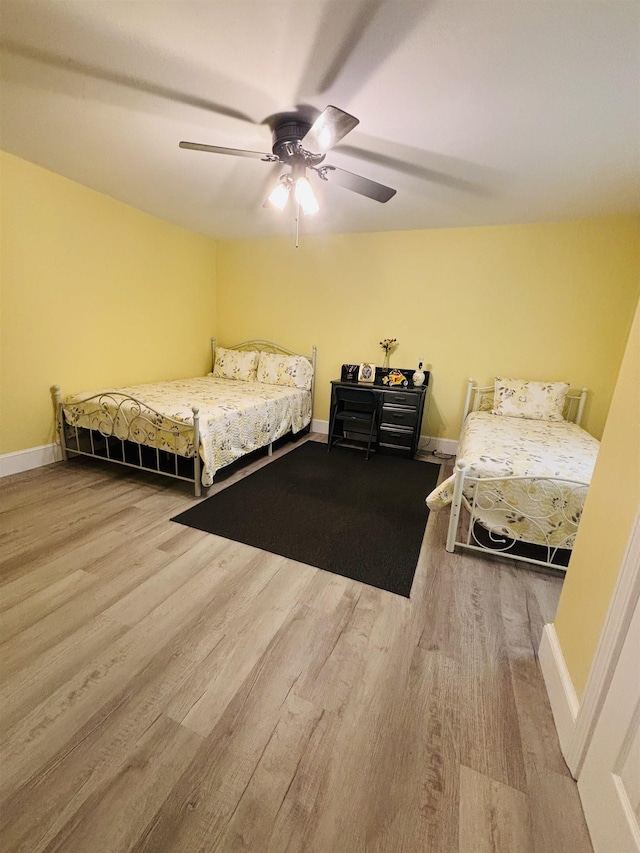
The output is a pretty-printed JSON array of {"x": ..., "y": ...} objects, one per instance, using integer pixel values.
[
  {"x": 395, "y": 378},
  {"x": 418, "y": 376}
]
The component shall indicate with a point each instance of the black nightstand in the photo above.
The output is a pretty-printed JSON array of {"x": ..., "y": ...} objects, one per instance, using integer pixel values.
[{"x": 399, "y": 418}]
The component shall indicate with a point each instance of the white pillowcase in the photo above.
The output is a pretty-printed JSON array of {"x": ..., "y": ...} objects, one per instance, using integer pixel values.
[
  {"x": 294, "y": 371},
  {"x": 519, "y": 398},
  {"x": 235, "y": 364}
]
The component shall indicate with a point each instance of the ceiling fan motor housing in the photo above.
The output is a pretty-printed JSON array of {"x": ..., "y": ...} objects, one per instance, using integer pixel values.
[{"x": 286, "y": 140}]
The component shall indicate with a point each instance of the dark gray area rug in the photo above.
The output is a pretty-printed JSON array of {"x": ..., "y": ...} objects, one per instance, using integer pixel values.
[{"x": 361, "y": 519}]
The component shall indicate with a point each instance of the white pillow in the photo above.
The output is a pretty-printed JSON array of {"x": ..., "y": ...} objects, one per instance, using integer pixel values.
[
  {"x": 294, "y": 371},
  {"x": 518, "y": 398},
  {"x": 235, "y": 364}
]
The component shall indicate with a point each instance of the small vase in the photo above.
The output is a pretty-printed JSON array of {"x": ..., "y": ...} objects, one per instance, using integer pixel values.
[{"x": 385, "y": 363}]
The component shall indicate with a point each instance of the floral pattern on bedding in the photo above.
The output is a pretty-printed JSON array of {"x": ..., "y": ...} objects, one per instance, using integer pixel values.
[
  {"x": 519, "y": 398},
  {"x": 235, "y": 364},
  {"x": 235, "y": 417},
  {"x": 544, "y": 511},
  {"x": 292, "y": 370}
]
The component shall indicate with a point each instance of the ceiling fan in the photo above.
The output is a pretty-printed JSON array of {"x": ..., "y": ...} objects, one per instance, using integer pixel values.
[{"x": 301, "y": 145}]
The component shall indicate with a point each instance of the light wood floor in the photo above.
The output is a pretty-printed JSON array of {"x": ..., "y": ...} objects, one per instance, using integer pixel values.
[{"x": 167, "y": 690}]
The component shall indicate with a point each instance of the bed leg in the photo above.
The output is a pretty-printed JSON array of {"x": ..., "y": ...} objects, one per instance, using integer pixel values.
[
  {"x": 197, "y": 473},
  {"x": 270, "y": 449},
  {"x": 456, "y": 503},
  {"x": 59, "y": 421}
]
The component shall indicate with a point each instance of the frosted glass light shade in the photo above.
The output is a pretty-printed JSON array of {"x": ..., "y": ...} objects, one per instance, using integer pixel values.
[
  {"x": 279, "y": 195},
  {"x": 305, "y": 197}
]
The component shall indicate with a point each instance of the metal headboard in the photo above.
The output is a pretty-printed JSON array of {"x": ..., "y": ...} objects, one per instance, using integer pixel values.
[
  {"x": 270, "y": 346},
  {"x": 480, "y": 398}
]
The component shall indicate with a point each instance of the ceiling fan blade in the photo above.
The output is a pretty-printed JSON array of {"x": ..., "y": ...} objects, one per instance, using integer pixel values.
[
  {"x": 338, "y": 32},
  {"x": 353, "y": 40},
  {"x": 237, "y": 152},
  {"x": 356, "y": 183},
  {"x": 409, "y": 167},
  {"x": 330, "y": 127},
  {"x": 76, "y": 73}
]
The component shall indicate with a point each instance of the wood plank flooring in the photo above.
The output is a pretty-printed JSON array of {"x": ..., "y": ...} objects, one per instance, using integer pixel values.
[{"x": 166, "y": 690}]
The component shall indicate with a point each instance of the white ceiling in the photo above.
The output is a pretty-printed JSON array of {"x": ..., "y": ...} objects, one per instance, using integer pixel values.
[{"x": 478, "y": 111}]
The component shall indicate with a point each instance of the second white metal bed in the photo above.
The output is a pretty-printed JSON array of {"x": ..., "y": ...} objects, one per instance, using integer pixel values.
[{"x": 522, "y": 484}]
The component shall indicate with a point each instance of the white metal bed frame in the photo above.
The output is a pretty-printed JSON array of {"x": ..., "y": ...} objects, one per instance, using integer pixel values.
[
  {"x": 486, "y": 494},
  {"x": 135, "y": 445}
]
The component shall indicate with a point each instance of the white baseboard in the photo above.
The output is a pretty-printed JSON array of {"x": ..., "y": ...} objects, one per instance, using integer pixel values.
[
  {"x": 562, "y": 695},
  {"x": 25, "y": 460},
  {"x": 442, "y": 445}
]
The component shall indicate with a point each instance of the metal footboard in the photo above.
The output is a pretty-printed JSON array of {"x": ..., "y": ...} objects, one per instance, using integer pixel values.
[
  {"x": 494, "y": 524},
  {"x": 119, "y": 428}
]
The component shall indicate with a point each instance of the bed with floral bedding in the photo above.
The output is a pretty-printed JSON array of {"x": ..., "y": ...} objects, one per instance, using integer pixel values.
[
  {"x": 188, "y": 429},
  {"x": 522, "y": 472}
]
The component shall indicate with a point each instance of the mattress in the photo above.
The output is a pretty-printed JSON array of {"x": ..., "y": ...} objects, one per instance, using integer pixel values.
[
  {"x": 555, "y": 460},
  {"x": 235, "y": 417}
]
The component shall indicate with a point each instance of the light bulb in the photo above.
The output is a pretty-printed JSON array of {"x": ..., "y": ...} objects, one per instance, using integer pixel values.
[
  {"x": 279, "y": 195},
  {"x": 305, "y": 197}
]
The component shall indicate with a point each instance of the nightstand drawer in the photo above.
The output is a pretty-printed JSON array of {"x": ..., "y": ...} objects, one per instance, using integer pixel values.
[
  {"x": 401, "y": 398},
  {"x": 399, "y": 415},
  {"x": 392, "y": 436}
]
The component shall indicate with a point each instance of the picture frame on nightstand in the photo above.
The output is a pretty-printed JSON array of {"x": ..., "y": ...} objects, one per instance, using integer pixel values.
[
  {"x": 349, "y": 373},
  {"x": 367, "y": 372}
]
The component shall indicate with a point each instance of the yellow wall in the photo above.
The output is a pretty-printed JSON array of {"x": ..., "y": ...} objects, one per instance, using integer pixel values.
[
  {"x": 94, "y": 293},
  {"x": 610, "y": 509},
  {"x": 92, "y": 290},
  {"x": 544, "y": 301}
]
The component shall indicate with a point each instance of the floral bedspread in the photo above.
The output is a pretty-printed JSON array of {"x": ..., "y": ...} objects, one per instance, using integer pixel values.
[
  {"x": 235, "y": 417},
  {"x": 540, "y": 511}
]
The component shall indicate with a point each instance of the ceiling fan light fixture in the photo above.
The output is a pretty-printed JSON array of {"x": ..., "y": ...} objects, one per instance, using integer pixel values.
[
  {"x": 280, "y": 193},
  {"x": 300, "y": 146},
  {"x": 306, "y": 197}
]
